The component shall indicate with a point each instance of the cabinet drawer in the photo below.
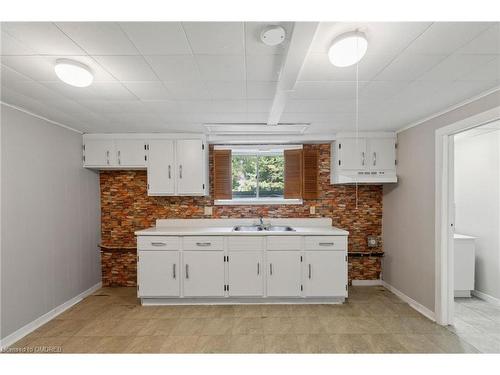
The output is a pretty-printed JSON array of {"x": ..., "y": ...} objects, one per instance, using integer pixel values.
[
  {"x": 238, "y": 243},
  {"x": 158, "y": 243},
  {"x": 326, "y": 243},
  {"x": 204, "y": 243},
  {"x": 284, "y": 243}
]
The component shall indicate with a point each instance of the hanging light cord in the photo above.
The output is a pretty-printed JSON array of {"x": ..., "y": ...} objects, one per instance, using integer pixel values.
[{"x": 357, "y": 118}]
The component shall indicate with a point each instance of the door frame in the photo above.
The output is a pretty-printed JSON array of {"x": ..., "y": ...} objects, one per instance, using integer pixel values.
[{"x": 444, "y": 210}]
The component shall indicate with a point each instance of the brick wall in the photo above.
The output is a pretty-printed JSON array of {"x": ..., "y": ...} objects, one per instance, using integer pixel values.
[{"x": 126, "y": 207}]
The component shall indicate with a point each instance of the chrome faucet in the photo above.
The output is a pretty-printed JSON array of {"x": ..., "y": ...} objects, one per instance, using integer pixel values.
[{"x": 261, "y": 221}]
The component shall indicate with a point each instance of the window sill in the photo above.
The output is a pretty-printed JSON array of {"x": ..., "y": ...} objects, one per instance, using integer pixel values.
[{"x": 260, "y": 201}]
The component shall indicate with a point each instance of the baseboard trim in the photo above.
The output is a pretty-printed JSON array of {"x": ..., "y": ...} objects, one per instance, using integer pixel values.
[
  {"x": 367, "y": 282},
  {"x": 414, "y": 304},
  {"x": 30, "y": 327},
  {"x": 486, "y": 297}
]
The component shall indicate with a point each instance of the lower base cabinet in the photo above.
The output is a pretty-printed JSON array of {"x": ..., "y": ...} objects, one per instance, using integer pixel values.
[
  {"x": 325, "y": 273},
  {"x": 245, "y": 274},
  {"x": 158, "y": 274},
  {"x": 203, "y": 273},
  {"x": 283, "y": 274}
]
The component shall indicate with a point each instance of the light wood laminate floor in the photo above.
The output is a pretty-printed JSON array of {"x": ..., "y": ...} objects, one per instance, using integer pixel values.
[{"x": 372, "y": 321}]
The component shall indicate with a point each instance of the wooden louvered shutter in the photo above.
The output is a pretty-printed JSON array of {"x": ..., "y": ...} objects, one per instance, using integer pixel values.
[
  {"x": 222, "y": 174},
  {"x": 293, "y": 174},
  {"x": 310, "y": 189}
]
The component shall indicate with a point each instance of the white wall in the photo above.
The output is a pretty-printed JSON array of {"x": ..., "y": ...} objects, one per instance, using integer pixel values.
[
  {"x": 50, "y": 218},
  {"x": 477, "y": 202},
  {"x": 408, "y": 207}
]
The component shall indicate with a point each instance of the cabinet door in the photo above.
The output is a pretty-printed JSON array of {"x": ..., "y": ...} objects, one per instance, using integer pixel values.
[
  {"x": 130, "y": 152},
  {"x": 203, "y": 273},
  {"x": 245, "y": 274},
  {"x": 325, "y": 273},
  {"x": 99, "y": 153},
  {"x": 158, "y": 274},
  {"x": 190, "y": 169},
  {"x": 161, "y": 178},
  {"x": 283, "y": 274},
  {"x": 382, "y": 153},
  {"x": 352, "y": 153}
]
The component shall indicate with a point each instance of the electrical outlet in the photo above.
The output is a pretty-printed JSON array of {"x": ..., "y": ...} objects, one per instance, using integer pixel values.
[
  {"x": 208, "y": 210},
  {"x": 312, "y": 210},
  {"x": 372, "y": 241}
]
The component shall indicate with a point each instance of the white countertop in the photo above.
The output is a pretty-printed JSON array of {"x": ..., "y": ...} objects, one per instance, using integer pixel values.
[{"x": 224, "y": 227}]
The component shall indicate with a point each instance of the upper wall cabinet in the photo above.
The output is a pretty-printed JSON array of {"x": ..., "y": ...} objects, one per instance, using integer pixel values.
[
  {"x": 177, "y": 164},
  {"x": 369, "y": 158}
]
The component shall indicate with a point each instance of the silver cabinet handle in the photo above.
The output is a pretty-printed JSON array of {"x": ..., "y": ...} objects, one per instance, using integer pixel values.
[
  {"x": 203, "y": 244},
  {"x": 258, "y": 268},
  {"x": 173, "y": 271},
  {"x": 169, "y": 172},
  {"x": 187, "y": 271},
  {"x": 309, "y": 270},
  {"x": 158, "y": 243},
  {"x": 107, "y": 157},
  {"x": 326, "y": 244},
  {"x": 374, "y": 158},
  {"x": 363, "y": 158},
  {"x": 180, "y": 171},
  {"x": 271, "y": 269},
  {"x": 119, "y": 160}
]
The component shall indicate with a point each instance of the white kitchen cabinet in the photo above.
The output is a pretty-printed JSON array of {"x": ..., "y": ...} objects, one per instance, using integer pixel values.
[
  {"x": 464, "y": 264},
  {"x": 369, "y": 158},
  {"x": 283, "y": 274},
  {"x": 130, "y": 152},
  {"x": 158, "y": 274},
  {"x": 203, "y": 273},
  {"x": 245, "y": 274},
  {"x": 189, "y": 168},
  {"x": 99, "y": 153},
  {"x": 161, "y": 167},
  {"x": 325, "y": 273}
]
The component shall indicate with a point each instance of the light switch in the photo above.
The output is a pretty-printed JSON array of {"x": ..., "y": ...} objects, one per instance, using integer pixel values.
[
  {"x": 208, "y": 210},
  {"x": 312, "y": 210}
]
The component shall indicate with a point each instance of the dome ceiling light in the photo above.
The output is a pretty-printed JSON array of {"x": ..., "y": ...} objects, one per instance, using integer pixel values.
[
  {"x": 273, "y": 35},
  {"x": 73, "y": 73},
  {"x": 348, "y": 49}
]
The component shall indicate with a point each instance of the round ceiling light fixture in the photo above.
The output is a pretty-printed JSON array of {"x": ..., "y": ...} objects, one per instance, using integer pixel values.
[
  {"x": 348, "y": 49},
  {"x": 273, "y": 35},
  {"x": 73, "y": 73}
]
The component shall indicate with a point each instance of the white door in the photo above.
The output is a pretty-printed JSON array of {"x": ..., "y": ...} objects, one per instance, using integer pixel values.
[
  {"x": 158, "y": 274},
  {"x": 203, "y": 273},
  {"x": 99, "y": 152},
  {"x": 382, "y": 153},
  {"x": 130, "y": 152},
  {"x": 325, "y": 273},
  {"x": 190, "y": 169},
  {"x": 283, "y": 274},
  {"x": 352, "y": 153},
  {"x": 245, "y": 274},
  {"x": 161, "y": 162}
]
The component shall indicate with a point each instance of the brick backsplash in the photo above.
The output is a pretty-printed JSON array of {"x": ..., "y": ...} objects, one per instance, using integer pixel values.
[{"x": 126, "y": 207}]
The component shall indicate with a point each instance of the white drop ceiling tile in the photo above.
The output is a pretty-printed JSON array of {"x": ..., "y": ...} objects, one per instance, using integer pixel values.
[
  {"x": 42, "y": 37},
  {"x": 101, "y": 106},
  {"x": 99, "y": 38},
  {"x": 261, "y": 90},
  {"x": 76, "y": 93},
  {"x": 314, "y": 117},
  {"x": 162, "y": 106},
  {"x": 175, "y": 68},
  {"x": 127, "y": 68},
  {"x": 131, "y": 117},
  {"x": 485, "y": 72},
  {"x": 68, "y": 106},
  {"x": 444, "y": 38},
  {"x": 408, "y": 67},
  {"x": 224, "y": 38},
  {"x": 263, "y": 67},
  {"x": 255, "y": 46},
  {"x": 320, "y": 106},
  {"x": 382, "y": 89},
  {"x": 187, "y": 90},
  {"x": 149, "y": 90},
  {"x": 463, "y": 90},
  {"x": 325, "y": 90},
  {"x": 455, "y": 67},
  {"x": 195, "y": 106},
  {"x": 488, "y": 42},
  {"x": 257, "y": 117},
  {"x": 157, "y": 38},
  {"x": 226, "y": 90},
  {"x": 229, "y": 106},
  {"x": 257, "y": 105},
  {"x": 113, "y": 91},
  {"x": 8, "y": 75},
  {"x": 221, "y": 67},
  {"x": 33, "y": 89},
  {"x": 14, "y": 98},
  {"x": 11, "y": 46}
]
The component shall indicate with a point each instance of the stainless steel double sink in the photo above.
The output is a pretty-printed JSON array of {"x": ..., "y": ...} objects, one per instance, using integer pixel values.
[{"x": 259, "y": 228}]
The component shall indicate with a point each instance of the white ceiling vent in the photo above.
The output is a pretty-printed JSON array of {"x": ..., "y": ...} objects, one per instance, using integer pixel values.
[{"x": 273, "y": 35}]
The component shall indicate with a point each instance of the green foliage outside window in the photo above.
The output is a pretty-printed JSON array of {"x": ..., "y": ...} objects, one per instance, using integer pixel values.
[{"x": 258, "y": 176}]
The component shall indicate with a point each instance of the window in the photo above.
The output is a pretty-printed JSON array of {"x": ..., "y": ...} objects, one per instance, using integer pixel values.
[{"x": 257, "y": 174}]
